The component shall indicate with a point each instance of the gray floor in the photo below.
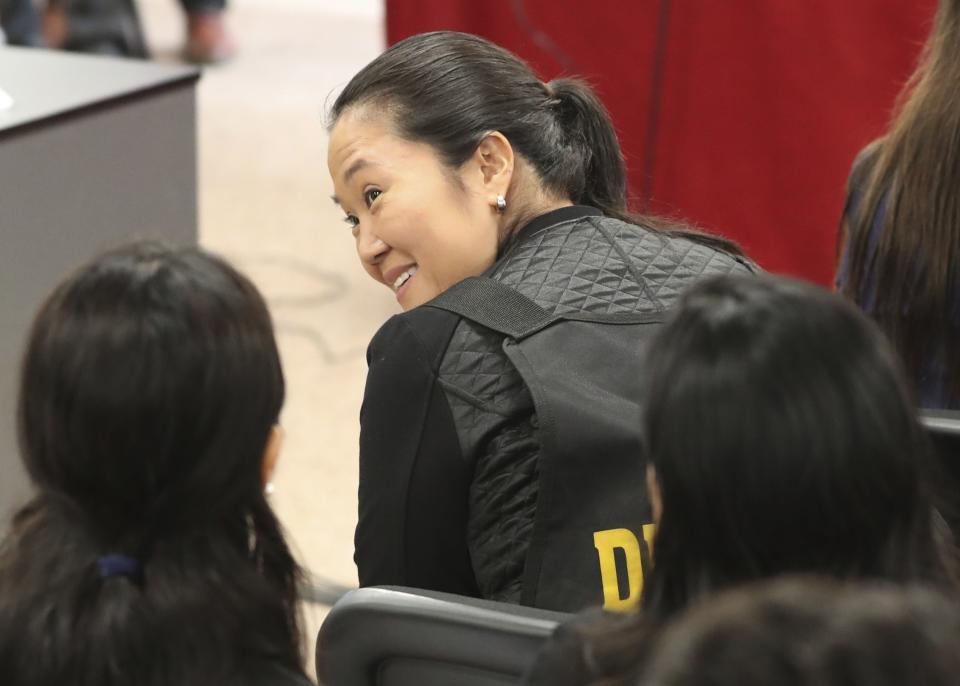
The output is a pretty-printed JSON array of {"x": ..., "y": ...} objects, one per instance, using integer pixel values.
[{"x": 265, "y": 202}]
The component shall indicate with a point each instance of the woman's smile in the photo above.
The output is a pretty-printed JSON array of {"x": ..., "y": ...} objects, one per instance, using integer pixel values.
[{"x": 401, "y": 283}]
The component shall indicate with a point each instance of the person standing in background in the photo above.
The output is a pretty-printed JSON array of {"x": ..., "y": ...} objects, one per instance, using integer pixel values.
[{"x": 113, "y": 26}]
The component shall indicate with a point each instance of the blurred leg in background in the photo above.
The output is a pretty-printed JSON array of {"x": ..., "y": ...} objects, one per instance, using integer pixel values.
[
  {"x": 20, "y": 23},
  {"x": 105, "y": 27},
  {"x": 113, "y": 27}
]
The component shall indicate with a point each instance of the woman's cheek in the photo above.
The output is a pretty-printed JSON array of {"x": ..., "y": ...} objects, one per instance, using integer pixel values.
[{"x": 371, "y": 271}]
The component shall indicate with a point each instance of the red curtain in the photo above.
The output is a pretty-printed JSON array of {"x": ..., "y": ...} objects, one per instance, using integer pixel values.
[{"x": 763, "y": 103}]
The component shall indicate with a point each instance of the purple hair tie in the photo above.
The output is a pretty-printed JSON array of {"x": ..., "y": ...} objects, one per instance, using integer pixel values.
[{"x": 118, "y": 565}]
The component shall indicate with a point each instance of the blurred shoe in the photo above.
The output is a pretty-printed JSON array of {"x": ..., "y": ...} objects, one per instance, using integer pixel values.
[{"x": 208, "y": 41}]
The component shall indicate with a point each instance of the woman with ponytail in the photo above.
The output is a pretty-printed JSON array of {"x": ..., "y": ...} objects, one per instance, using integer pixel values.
[
  {"x": 451, "y": 159},
  {"x": 149, "y": 556}
]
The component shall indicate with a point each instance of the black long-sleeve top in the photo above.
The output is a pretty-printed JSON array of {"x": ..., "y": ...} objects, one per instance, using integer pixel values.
[
  {"x": 414, "y": 480},
  {"x": 417, "y": 482}
]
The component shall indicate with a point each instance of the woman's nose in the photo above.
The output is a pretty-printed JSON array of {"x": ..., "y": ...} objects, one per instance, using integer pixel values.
[{"x": 370, "y": 248}]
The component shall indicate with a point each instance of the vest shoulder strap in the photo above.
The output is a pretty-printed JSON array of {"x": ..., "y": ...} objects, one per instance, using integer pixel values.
[{"x": 494, "y": 305}]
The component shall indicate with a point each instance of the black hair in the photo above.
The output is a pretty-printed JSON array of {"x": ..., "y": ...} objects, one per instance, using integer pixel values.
[
  {"x": 451, "y": 89},
  {"x": 150, "y": 385},
  {"x": 784, "y": 441},
  {"x": 812, "y": 632}
]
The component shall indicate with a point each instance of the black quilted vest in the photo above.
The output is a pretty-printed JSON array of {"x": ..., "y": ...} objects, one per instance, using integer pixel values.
[{"x": 524, "y": 536}]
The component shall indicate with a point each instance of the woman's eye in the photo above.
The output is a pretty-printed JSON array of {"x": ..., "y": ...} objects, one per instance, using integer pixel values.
[
  {"x": 371, "y": 195},
  {"x": 351, "y": 220}
]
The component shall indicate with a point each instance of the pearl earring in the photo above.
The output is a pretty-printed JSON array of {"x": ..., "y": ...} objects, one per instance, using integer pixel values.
[
  {"x": 501, "y": 203},
  {"x": 269, "y": 489}
]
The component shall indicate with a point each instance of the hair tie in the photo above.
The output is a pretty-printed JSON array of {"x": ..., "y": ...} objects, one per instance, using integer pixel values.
[{"x": 118, "y": 565}]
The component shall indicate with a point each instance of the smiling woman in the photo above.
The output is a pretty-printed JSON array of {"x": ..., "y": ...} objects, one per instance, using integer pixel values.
[{"x": 451, "y": 159}]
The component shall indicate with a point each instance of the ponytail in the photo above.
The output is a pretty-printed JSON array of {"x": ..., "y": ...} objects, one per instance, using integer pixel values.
[
  {"x": 594, "y": 163},
  {"x": 594, "y": 166},
  {"x": 202, "y": 607},
  {"x": 594, "y": 160}
]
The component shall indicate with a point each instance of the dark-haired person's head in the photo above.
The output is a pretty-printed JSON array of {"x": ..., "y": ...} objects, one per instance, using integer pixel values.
[
  {"x": 445, "y": 144},
  {"x": 804, "y": 632},
  {"x": 426, "y": 137},
  {"x": 782, "y": 441},
  {"x": 150, "y": 393}
]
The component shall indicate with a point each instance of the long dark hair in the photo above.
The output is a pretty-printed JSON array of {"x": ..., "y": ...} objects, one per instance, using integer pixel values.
[
  {"x": 149, "y": 388},
  {"x": 910, "y": 270},
  {"x": 784, "y": 442},
  {"x": 451, "y": 89}
]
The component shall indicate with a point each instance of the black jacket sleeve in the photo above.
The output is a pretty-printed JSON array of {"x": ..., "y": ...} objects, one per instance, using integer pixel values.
[{"x": 414, "y": 482}]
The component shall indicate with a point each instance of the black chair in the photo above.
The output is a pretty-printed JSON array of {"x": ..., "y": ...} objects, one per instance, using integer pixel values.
[
  {"x": 393, "y": 636},
  {"x": 943, "y": 427}
]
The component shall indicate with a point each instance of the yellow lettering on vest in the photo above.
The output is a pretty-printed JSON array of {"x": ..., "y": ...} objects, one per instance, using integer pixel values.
[
  {"x": 606, "y": 542},
  {"x": 648, "y": 532}
]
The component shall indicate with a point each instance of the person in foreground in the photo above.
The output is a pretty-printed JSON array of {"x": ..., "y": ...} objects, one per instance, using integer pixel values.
[
  {"x": 149, "y": 556},
  {"x": 780, "y": 439},
  {"x": 899, "y": 238},
  {"x": 810, "y": 632},
  {"x": 451, "y": 159}
]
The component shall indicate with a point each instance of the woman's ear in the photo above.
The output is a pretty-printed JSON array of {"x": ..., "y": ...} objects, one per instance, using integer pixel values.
[
  {"x": 653, "y": 493},
  {"x": 271, "y": 454},
  {"x": 494, "y": 159}
]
